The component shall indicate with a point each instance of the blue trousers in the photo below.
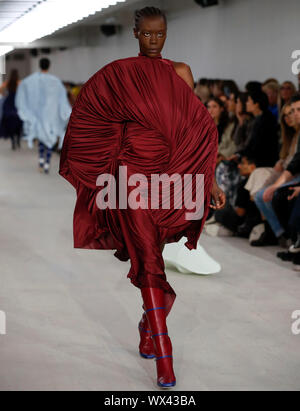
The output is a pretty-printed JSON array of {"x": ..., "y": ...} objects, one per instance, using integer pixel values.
[
  {"x": 267, "y": 210},
  {"x": 44, "y": 149}
]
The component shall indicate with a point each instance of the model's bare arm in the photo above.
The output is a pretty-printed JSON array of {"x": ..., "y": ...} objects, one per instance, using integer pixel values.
[{"x": 185, "y": 72}]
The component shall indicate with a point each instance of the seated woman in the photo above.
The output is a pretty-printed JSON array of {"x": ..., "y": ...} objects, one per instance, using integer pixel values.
[
  {"x": 227, "y": 172},
  {"x": 263, "y": 198},
  {"x": 219, "y": 113},
  {"x": 243, "y": 130},
  {"x": 265, "y": 176},
  {"x": 227, "y": 146},
  {"x": 286, "y": 92}
]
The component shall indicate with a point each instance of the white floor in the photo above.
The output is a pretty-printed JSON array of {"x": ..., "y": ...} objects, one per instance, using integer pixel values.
[{"x": 72, "y": 314}]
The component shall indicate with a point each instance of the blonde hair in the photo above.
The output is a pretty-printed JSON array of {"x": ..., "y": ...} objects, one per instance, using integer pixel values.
[{"x": 271, "y": 85}]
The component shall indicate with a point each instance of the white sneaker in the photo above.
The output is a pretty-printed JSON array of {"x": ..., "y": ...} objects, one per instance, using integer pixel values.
[
  {"x": 41, "y": 165},
  {"x": 295, "y": 248},
  {"x": 46, "y": 168},
  {"x": 189, "y": 261}
]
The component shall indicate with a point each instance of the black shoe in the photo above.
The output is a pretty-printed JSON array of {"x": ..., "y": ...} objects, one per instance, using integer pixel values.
[
  {"x": 285, "y": 255},
  {"x": 244, "y": 230},
  {"x": 283, "y": 241},
  {"x": 266, "y": 238},
  {"x": 296, "y": 262}
]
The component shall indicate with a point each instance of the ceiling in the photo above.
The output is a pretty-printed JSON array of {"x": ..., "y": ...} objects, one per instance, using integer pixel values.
[{"x": 11, "y": 10}]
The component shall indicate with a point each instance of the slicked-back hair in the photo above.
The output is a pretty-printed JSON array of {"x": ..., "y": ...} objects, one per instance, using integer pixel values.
[{"x": 139, "y": 15}]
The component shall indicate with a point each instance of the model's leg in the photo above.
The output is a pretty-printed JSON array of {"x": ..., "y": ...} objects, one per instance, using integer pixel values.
[
  {"x": 154, "y": 302},
  {"x": 13, "y": 142},
  {"x": 144, "y": 245},
  {"x": 41, "y": 156},
  {"x": 146, "y": 346},
  {"x": 48, "y": 159},
  {"x": 18, "y": 140}
]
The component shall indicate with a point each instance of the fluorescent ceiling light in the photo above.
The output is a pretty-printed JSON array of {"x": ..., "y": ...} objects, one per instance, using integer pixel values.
[{"x": 50, "y": 16}]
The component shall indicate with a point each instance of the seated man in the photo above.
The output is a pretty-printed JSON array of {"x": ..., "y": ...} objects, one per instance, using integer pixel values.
[
  {"x": 263, "y": 144},
  {"x": 243, "y": 216}
]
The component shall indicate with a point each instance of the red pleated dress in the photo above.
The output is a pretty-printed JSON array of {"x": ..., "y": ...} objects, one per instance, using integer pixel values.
[{"x": 137, "y": 113}]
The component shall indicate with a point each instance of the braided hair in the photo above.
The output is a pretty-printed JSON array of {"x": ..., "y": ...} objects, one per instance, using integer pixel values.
[{"x": 147, "y": 12}]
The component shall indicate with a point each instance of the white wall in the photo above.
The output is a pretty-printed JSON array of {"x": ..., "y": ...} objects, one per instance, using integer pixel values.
[{"x": 240, "y": 39}]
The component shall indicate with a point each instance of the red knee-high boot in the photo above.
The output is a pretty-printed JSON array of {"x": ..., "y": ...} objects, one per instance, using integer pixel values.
[
  {"x": 154, "y": 303},
  {"x": 146, "y": 346}
]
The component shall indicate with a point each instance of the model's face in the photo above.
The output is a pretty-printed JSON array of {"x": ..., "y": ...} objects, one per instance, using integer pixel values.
[
  {"x": 296, "y": 112},
  {"x": 152, "y": 34},
  {"x": 214, "y": 109},
  {"x": 286, "y": 91}
]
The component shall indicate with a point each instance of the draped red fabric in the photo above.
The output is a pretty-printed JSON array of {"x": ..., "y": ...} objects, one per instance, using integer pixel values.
[{"x": 138, "y": 113}]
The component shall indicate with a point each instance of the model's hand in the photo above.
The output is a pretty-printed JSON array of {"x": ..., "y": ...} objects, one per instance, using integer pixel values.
[
  {"x": 295, "y": 193},
  {"x": 218, "y": 196},
  {"x": 269, "y": 193}
]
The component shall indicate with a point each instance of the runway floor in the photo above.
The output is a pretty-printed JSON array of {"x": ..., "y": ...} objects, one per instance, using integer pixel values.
[{"x": 72, "y": 314}]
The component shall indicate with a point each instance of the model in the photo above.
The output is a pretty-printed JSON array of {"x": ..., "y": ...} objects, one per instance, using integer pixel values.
[
  {"x": 135, "y": 118},
  {"x": 42, "y": 104}
]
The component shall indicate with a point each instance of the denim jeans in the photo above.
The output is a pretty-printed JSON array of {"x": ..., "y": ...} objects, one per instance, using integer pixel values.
[{"x": 267, "y": 210}]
